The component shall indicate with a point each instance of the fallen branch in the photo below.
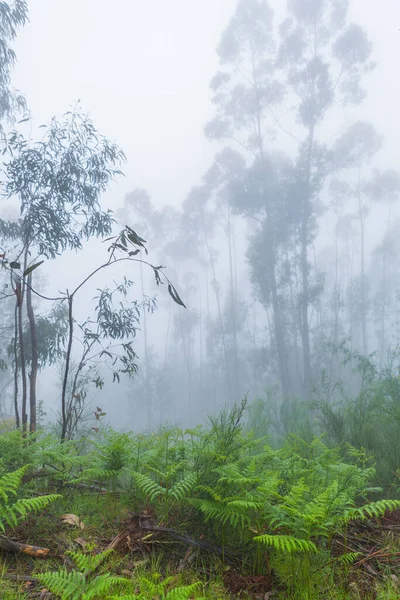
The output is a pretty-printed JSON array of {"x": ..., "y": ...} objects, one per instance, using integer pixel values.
[{"x": 12, "y": 547}]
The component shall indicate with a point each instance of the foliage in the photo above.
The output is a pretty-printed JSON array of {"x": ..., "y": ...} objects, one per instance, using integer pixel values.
[
  {"x": 82, "y": 584},
  {"x": 154, "y": 589},
  {"x": 12, "y": 16},
  {"x": 12, "y": 513}
]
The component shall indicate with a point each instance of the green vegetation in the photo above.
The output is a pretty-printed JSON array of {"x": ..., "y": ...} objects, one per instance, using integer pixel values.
[{"x": 185, "y": 513}]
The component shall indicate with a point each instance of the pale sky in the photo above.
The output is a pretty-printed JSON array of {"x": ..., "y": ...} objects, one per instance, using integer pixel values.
[{"x": 142, "y": 70}]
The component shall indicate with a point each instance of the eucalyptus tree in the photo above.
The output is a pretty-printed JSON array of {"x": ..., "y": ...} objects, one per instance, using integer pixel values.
[
  {"x": 384, "y": 189},
  {"x": 352, "y": 153},
  {"x": 315, "y": 64},
  {"x": 57, "y": 182},
  {"x": 13, "y": 15},
  {"x": 323, "y": 58}
]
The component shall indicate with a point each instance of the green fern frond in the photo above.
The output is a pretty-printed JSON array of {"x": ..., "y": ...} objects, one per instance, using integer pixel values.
[
  {"x": 349, "y": 558},
  {"x": 102, "y": 585},
  {"x": 147, "y": 486},
  {"x": 184, "y": 487},
  {"x": 65, "y": 585},
  {"x": 87, "y": 563},
  {"x": 185, "y": 592},
  {"x": 209, "y": 490},
  {"x": 373, "y": 509},
  {"x": 223, "y": 512},
  {"x": 79, "y": 585},
  {"x": 11, "y": 514},
  {"x": 150, "y": 590},
  {"x": 286, "y": 543},
  {"x": 10, "y": 482}
]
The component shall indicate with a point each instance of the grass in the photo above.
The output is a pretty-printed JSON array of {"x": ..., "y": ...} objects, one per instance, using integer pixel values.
[{"x": 241, "y": 517}]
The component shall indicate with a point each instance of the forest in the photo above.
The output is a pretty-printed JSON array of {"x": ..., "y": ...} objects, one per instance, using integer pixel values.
[{"x": 200, "y": 394}]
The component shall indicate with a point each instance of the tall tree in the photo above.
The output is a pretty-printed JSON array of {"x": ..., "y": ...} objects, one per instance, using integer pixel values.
[
  {"x": 13, "y": 14},
  {"x": 317, "y": 63},
  {"x": 353, "y": 152},
  {"x": 57, "y": 182}
]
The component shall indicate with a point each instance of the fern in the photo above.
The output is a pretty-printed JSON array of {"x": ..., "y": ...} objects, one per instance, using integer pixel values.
[
  {"x": 12, "y": 513},
  {"x": 286, "y": 543},
  {"x": 64, "y": 584},
  {"x": 183, "y": 488},
  {"x": 349, "y": 558},
  {"x": 86, "y": 562},
  {"x": 151, "y": 589},
  {"x": 74, "y": 585},
  {"x": 81, "y": 584},
  {"x": 147, "y": 486},
  {"x": 370, "y": 510}
]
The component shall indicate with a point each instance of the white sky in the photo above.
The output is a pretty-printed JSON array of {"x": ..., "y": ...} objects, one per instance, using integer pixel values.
[{"x": 142, "y": 69}]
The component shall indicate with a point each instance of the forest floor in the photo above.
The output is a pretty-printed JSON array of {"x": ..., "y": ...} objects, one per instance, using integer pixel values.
[{"x": 94, "y": 522}]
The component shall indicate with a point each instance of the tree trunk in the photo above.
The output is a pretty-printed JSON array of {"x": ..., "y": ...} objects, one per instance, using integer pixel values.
[
  {"x": 278, "y": 325},
  {"x": 64, "y": 420},
  {"x": 363, "y": 278},
  {"x": 305, "y": 331},
  {"x": 149, "y": 408},
  {"x": 34, "y": 356},
  {"x": 221, "y": 323},
  {"x": 16, "y": 367},
  {"x": 233, "y": 303},
  {"x": 24, "y": 415}
]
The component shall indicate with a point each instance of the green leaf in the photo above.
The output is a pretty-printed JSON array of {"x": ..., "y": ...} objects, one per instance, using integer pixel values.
[
  {"x": 15, "y": 265},
  {"x": 32, "y": 268},
  {"x": 174, "y": 295}
]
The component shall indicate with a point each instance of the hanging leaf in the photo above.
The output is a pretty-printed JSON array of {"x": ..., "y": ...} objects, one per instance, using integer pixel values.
[
  {"x": 174, "y": 295},
  {"x": 32, "y": 268},
  {"x": 135, "y": 239},
  {"x": 15, "y": 265}
]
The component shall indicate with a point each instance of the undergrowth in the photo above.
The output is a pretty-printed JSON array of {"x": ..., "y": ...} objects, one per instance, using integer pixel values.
[{"x": 233, "y": 502}]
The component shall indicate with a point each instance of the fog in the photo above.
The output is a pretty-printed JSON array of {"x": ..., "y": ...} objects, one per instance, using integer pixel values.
[{"x": 142, "y": 72}]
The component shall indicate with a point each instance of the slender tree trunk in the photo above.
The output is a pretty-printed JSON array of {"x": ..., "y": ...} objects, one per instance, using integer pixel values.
[
  {"x": 336, "y": 295},
  {"x": 383, "y": 311},
  {"x": 233, "y": 303},
  {"x": 305, "y": 330},
  {"x": 23, "y": 369},
  {"x": 220, "y": 320},
  {"x": 16, "y": 367},
  {"x": 200, "y": 339},
  {"x": 34, "y": 356},
  {"x": 278, "y": 325},
  {"x": 64, "y": 420},
  {"x": 149, "y": 408},
  {"x": 363, "y": 278},
  {"x": 207, "y": 292}
]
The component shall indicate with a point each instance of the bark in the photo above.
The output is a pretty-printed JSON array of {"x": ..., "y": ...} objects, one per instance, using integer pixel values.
[
  {"x": 233, "y": 306},
  {"x": 64, "y": 420},
  {"x": 363, "y": 278},
  {"x": 278, "y": 325},
  {"x": 220, "y": 319},
  {"x": 16, "y": 368},
  {"x": 149, "y": 408},
  {"x": 12, "y": 547},
  {"x": 305, "y": 330},
  {"x": 34, "y": 356},
  {"x": 23, "y": 365}
]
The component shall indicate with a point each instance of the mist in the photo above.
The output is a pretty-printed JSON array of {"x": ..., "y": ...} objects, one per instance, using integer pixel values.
[{"x": 143, "y": 73}]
